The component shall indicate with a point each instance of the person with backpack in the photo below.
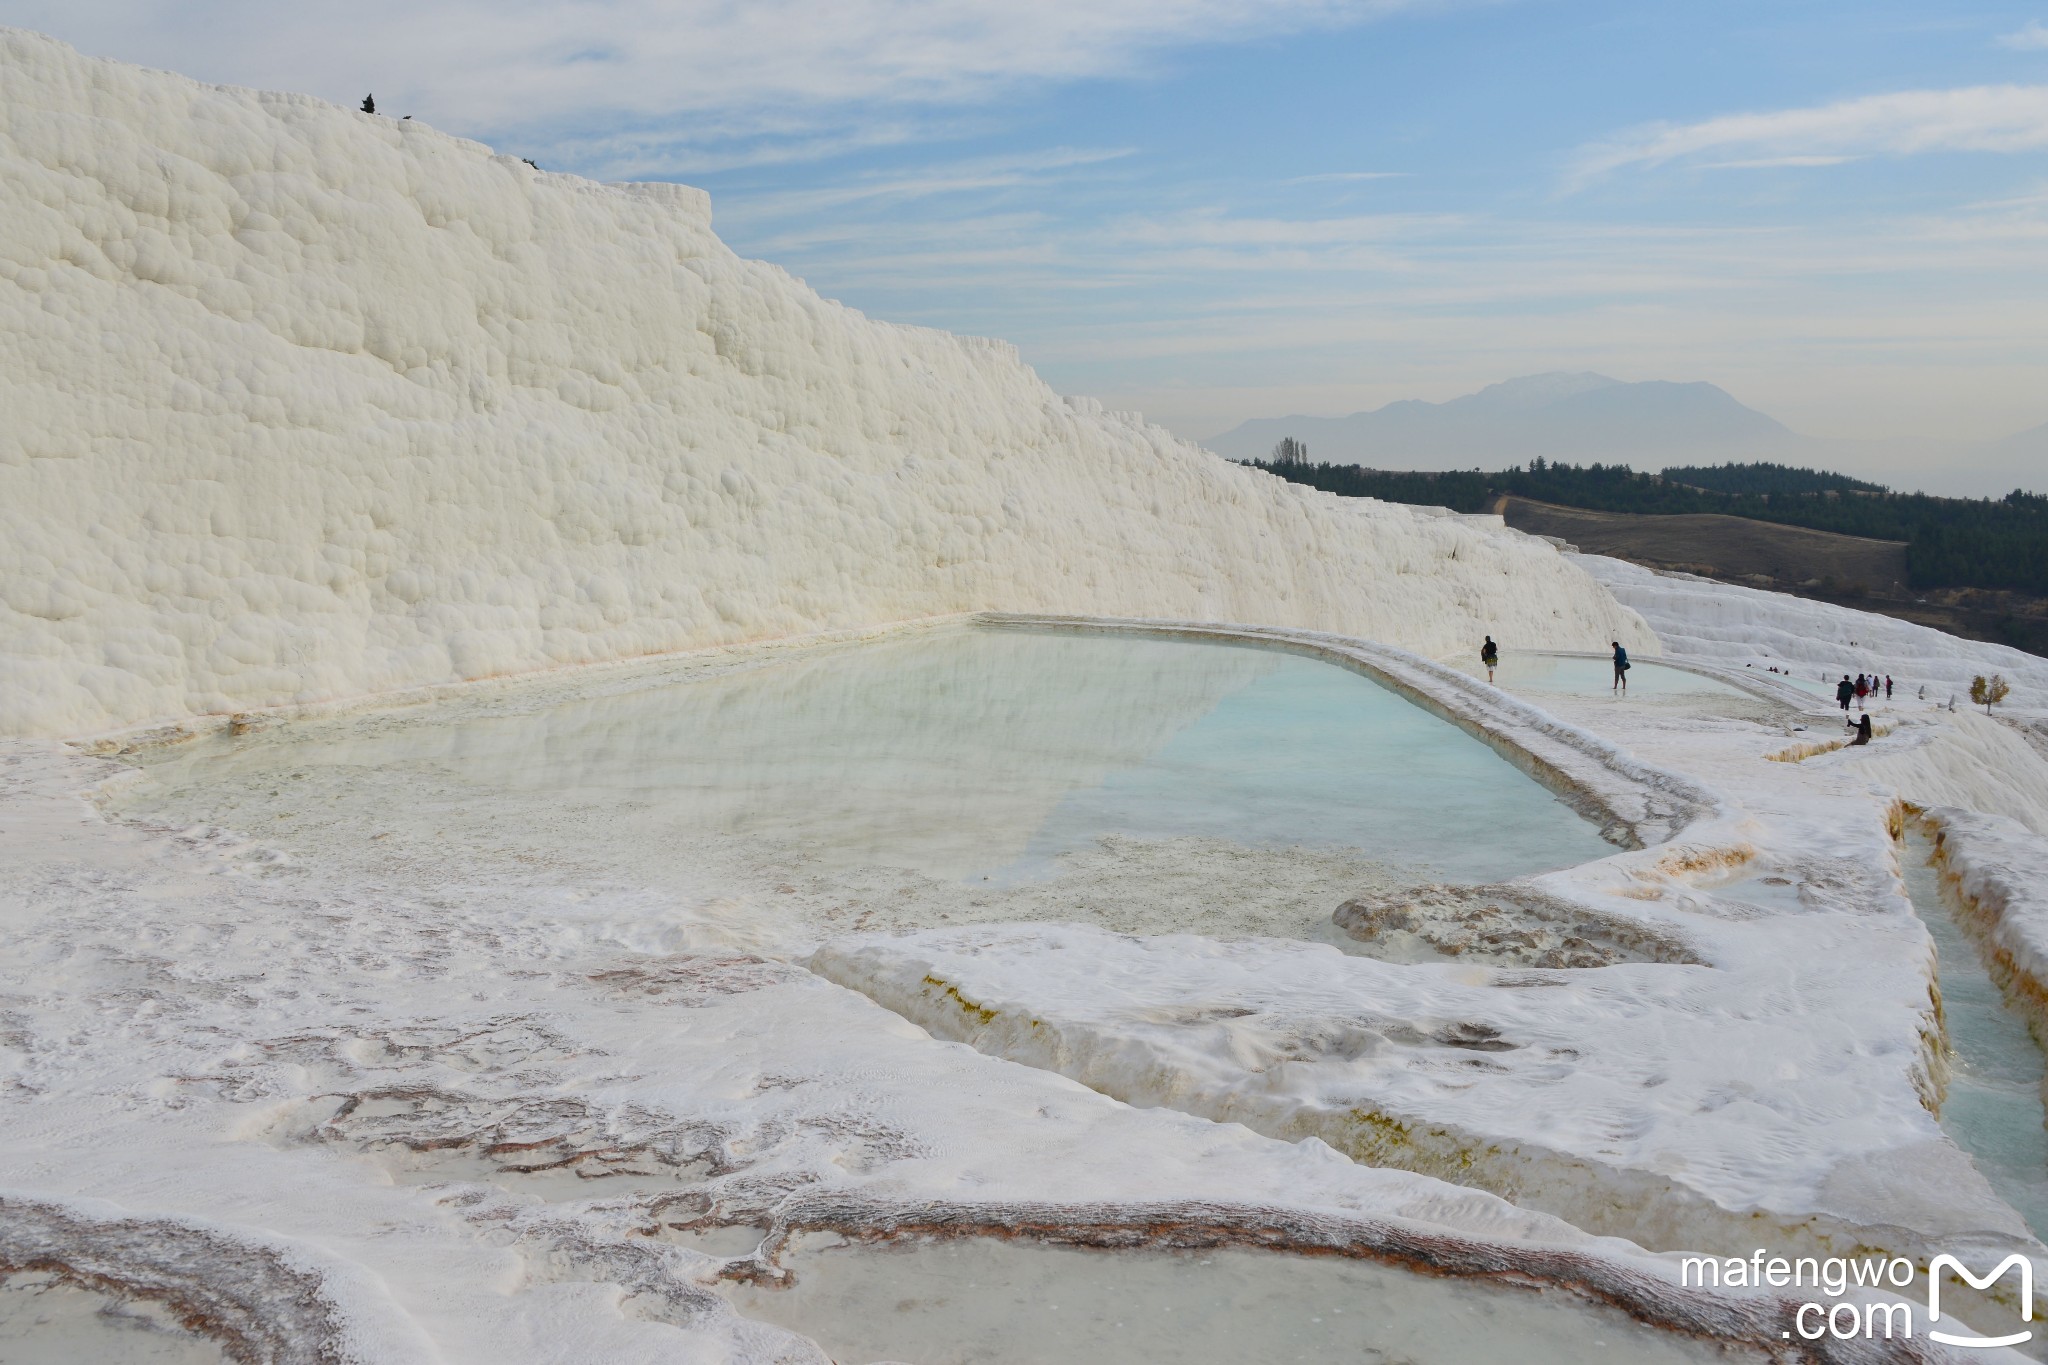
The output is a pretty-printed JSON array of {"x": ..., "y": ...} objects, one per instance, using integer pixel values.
[
  {"x": 1489, "y": 654},
  {"x": 1862, "y": 691},
  {"x": 1620, "y": 668}
]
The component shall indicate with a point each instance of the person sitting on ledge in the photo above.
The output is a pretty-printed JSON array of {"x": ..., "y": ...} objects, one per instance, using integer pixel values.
[{"x": 1862, "y": 730}]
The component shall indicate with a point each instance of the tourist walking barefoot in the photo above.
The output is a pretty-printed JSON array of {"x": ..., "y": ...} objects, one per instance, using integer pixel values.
[
  {"x": 1620, "y": 668},
  {"x": 1489, "y": 654}
]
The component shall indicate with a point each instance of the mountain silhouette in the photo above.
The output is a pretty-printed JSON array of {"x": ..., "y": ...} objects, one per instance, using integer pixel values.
[{"x": 1577, "y": 417}]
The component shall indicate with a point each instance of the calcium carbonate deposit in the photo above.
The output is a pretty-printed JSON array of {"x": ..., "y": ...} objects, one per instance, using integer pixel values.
[
  {"x": 564, "y": 799},
  {"x": 355, "y": 406}
]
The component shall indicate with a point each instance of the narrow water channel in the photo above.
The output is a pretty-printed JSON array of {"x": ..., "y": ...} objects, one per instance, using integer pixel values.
[{"x": 1994, "y": 1107}]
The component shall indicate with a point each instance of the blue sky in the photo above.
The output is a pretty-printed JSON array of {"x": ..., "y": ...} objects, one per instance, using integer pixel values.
[{"x": 1219, "y": 209}]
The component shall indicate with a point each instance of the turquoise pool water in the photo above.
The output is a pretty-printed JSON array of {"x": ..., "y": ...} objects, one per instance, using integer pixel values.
[
  {"x": 979, "y": 758},
  {"x": 1298, "y": 751}
]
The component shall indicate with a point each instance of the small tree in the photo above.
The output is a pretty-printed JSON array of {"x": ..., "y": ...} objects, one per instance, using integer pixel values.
[
  {"x": 369, "y": 104},
  {"x": 1290, "y": 451},
  {"x": 1986, "y": 692}
]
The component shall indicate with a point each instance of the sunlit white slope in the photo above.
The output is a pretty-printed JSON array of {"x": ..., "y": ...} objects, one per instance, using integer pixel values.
[
  {"x": 1725, "y": 623},
  {"x": 305, "y": 403}
]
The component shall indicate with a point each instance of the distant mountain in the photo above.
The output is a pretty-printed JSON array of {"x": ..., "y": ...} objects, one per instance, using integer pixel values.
[
  {"x": 2024, "y": 450},
  {"x": 1577, "y": 417}
]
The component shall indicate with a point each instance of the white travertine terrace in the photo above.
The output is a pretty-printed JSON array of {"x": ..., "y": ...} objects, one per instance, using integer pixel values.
[
  {"x": 1740, "y": 627},
  {"x": 304, "y": 403},
  {"x": 304, "y": 406}
]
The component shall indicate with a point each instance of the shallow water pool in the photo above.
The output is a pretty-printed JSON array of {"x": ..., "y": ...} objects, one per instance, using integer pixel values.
[
  {"x": 43, "y": 1322},
  {"x": 986, "y": 1301},
  {"x": 1573, "y": 673},
  {"x": 946, "y": 775}
]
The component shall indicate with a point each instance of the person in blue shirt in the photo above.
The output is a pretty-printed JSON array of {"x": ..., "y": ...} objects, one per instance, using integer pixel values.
[{"x": 1620, "y": 668}]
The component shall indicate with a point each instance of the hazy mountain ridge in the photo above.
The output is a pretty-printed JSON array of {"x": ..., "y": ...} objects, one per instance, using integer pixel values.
[
  {"x": 2031, "y": 442},
  {"x": 1580, "y": 416},
  {"x": 1648, "y": 425}
]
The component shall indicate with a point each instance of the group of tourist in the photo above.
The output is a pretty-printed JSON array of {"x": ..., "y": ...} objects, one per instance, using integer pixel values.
[
  {"x": 1861, "y": 691},
  {"x": 1489, "y": 654}
]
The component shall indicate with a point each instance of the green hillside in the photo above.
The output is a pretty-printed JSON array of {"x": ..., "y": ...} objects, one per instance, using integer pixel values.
[{"x": 1950, "y": 542}]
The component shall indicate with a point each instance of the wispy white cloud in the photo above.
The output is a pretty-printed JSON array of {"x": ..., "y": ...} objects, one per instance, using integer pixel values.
[
  {"x": 1207, "y": 313},
  {"x": 705, "y": 146},
  {"x": 1212, "y": 229},
  {"x": 2034, "y": 198},
  {"x": 1989, "y": 118},
  {"x": 2032, "y": 37},
  {"x": 1760, "y": 163},
  {"x": 1038, "y": 168},
  {"x": 1347, "y": 175},
  {"x": 784, "y": 69}
]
